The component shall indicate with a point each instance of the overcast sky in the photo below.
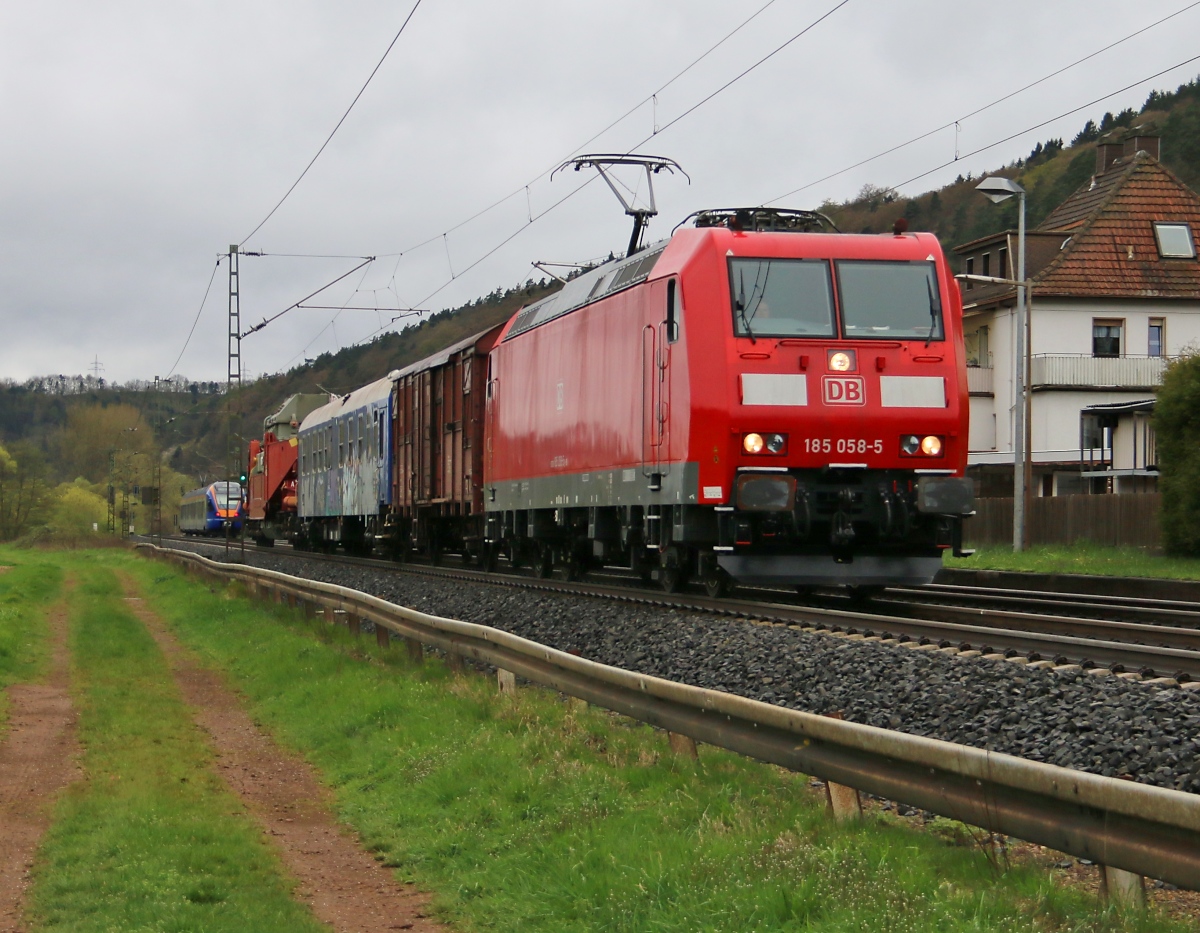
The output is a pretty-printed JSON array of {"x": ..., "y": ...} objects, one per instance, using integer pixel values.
[{"x": 139, "y": 140}]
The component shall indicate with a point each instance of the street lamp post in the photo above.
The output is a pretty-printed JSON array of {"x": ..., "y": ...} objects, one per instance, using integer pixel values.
[{"x": 997, "y": 188}]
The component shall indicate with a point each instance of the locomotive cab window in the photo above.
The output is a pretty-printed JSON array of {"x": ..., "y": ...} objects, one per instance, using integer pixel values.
[
  {"x": 890, "y": 300},
  {"x": 781, "y": 298}
]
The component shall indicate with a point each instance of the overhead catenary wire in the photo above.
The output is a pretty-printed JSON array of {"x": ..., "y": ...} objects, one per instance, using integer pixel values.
[
  {"x": 361, "y": 90},
  {"x": 979, "y": 110},
  {"x": 1045, "y": 123},
  {"x": 632, "y": 149},
  {"x": 628, "y": 113},
  {"x": 291, "y": 307},
  {"x": 196, "y": 320}
]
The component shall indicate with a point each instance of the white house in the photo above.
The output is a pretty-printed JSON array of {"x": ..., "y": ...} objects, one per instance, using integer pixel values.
[{"x": 1116, "y": 293}]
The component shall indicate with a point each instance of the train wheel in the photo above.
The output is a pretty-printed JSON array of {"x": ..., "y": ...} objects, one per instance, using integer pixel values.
[
  {"x": 515, "y": 555},
  {"x": 673, "y": 569},
  {"x": 489, "y": 558},
  {"x": 543, "y": 562},
  {"x": 717, "y": 583},
  {"x": 573, "y": 569}
]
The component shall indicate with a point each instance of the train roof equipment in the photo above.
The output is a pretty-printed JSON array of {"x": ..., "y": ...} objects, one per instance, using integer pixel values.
[
  {"x": 762, "y": 220},
  {"x": 652, "y": 165}
]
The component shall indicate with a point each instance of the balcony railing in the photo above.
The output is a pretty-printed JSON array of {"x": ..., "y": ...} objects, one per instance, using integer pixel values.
[
  {"x": 979, "y": 380},
  {"x": 1078, "y": 371}
]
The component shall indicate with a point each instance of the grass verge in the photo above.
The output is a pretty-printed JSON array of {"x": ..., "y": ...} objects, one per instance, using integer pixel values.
[
  {"x": 151, "y": 840},
  {"x": 26, "y": 590},
  {"x": 1082, "y": 558},
  {"x": 526, "y": 814}
]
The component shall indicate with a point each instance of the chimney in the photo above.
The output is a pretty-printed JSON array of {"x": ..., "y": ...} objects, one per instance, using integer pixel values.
[
  {"x": 1141, "y": 141},
  {"x": 1106, "y": 154}
]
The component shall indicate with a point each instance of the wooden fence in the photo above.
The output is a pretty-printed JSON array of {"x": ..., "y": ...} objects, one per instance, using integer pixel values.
[{"x": 1118, "y": 520}]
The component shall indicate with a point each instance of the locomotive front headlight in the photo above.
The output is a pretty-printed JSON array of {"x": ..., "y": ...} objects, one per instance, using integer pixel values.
[
  {"x": 931, "y": 445},
  {"x": 842, "y": 361},
  {"x": 753, "y": 443},
  {"x": 909, "y": 445},
  {"x": 776, "y": 443}
]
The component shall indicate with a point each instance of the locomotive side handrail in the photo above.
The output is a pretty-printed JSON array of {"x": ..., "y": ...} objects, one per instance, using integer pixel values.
[{"x": 1140, "y": 828}]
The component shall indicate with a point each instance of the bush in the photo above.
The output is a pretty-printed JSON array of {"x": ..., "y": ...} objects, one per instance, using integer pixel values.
[{"x": 1177, "y": 434}]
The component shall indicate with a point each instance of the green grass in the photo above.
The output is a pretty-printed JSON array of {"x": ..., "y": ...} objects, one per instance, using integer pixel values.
[
  {"x": 151, "y": 840},
  {"x": 26, "y": 591},
  {"x": 526, "y": 814},
  {"x": 1082, "y": 558}
]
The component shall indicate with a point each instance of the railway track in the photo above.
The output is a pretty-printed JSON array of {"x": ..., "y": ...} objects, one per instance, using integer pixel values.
[{"x": 1152, "y": 640}]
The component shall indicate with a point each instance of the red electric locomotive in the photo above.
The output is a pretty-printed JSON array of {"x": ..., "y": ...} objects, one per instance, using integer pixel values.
[{"x": 753, "y": 399}]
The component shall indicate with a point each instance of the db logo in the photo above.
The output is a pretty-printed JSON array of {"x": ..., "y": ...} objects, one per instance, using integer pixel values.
[{"x": 844, "y": 390}]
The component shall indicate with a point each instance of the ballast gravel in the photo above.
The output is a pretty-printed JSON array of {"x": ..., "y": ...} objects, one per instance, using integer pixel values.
[{"x": 1104, "y": 725}]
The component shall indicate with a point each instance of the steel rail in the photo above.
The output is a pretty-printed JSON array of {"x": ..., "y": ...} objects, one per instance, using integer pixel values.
[
  {"x": 1140, "y": 828},
  {"x": 1160, "y": 613},
  {"x": 1081, "y": 640},
  {"x": 1132, "y": 634}
]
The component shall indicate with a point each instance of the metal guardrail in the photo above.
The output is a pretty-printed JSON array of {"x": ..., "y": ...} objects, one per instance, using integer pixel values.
[{"x": 1146, "y": 830}]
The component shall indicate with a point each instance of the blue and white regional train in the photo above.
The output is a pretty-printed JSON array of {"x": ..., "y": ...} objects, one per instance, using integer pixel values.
[{"x": 210, "y": 509}]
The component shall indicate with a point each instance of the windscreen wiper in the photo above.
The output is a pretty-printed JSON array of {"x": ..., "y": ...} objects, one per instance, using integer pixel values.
[
  {"x": 935, "y": 309},
  {"x": 741, "y": 305}
]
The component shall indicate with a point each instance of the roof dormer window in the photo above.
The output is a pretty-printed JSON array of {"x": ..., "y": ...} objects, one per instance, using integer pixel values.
[{"x": 1175, "y": 241}]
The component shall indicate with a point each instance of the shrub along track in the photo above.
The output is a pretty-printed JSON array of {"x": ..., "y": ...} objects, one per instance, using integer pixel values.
[
  {"x": 343, "y": 885},
  {"x": 37, "y": 760}
]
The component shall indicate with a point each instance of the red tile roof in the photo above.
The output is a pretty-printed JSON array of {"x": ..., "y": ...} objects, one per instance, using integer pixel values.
[{"x": 1113, "y": 252}]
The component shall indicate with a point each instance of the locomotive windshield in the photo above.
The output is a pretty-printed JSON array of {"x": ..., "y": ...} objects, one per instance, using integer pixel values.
[
  {"x": 890, "y": 300},
  {"x": 781, "y": 298},
  {"x": 228, "y": 495}
]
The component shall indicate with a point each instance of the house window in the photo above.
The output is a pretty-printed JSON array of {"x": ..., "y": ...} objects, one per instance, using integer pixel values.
[
  {"x": 1002, "y": 263},
  {"x": 987, "y": 264},
  {"x": 970, "y": 270},
  {"x": 1157, "y": 341},
  {"x": 1175, "y": 241},
  {"x": 1106, "y": 338}
]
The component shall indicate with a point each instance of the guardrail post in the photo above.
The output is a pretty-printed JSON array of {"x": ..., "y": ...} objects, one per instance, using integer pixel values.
[
  {"x": 455, "y": 661},
  {"x": 310, "y": 609},
  {"x": 682, "y": 745},
  {"x": 507, "y": 681},
  {"x": 843, "y": 801},
  {"x": 291, "y": 600},
  {"x": 1123, "y": 888},
  {"x": 579, "y": 704},
  {"x": 416, "y": 651},
  {"x": 383, "y": 638},
  {"x": 354, "y": 623}
]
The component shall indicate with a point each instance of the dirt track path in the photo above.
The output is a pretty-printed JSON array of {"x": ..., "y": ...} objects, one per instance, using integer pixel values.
[
  {"x": 38, "y": 758},
  {"x": 345, "y": 887}
]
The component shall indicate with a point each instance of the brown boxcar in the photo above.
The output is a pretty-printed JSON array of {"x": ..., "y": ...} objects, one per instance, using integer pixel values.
[{"x": 439, "y": 409}]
